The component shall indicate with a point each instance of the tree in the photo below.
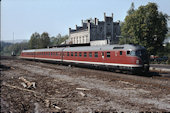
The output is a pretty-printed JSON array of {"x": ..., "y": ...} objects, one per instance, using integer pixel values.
[
  {"x": 44, "y": 40},
  {"x": 62, "y": 39},
  {"x": 34, "y": 41},
  {"x": 17, "y": 48},
  {"x": 53, "y": 41},
  {"x": 132, "y": 9},
  {"x": 146, "y": 26}
]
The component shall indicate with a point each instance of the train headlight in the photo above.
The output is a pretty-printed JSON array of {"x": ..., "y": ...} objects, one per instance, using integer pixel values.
[{"x": 137, "y": 61}]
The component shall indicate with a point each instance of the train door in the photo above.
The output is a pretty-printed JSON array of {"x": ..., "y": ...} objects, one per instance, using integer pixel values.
[
  {"x": 62, "y": 54},
  {"x": 103, "y": 57}
]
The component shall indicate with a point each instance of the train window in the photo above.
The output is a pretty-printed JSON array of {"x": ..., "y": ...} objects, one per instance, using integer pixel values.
[
  {"x": 56, "y": 54},
  {"x": 80, "y": 54},
  {"x": 90, "y": 54},
  {"x": 75, "y": 53},
  {"x": 132, "y": 53},
  {"x": 102, "y": 53},
  {"x": 96, "y": 54},
  {"x": 128, "y": 52},
  {"x": 71, "y": 53},
  {"x": 85, "y": 54},
  {"x": 67, "y": 53},
  {"x": 108, "y": 54},
  {"x": 51, "y": 53},
  {"x": 120, "y": 52}
]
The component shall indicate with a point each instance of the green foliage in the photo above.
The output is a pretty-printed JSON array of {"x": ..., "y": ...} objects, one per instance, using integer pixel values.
[
  {"x": 167, "y": 35},
  {"x": 34, "y": 42},
  {"x": 146, "y": 26},
  {"x": 54, "y": 41},
  {"x": 39, "y": 41},
  {"x": 132, "y": 9},
  {"x": 62, "y": 39},
  {"x": 44, "y": 40},
  {"x": 167, "y": 52},
  {"x": 17, "y": 48}
]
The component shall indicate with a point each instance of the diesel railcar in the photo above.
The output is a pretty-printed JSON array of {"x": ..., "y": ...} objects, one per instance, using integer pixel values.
[{"x": 127, "y": 57}]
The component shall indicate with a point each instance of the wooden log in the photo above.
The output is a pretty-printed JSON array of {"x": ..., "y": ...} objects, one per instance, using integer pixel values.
[
  {"x": 28, "y": 83},
  {"x": 84, "y": 89}
]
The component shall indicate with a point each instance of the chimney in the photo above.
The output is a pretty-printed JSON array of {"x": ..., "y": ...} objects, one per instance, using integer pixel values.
[
  {"x": 82, "y": 22},
  {"x": 76, "y": 27},
  {"x": 88, "y": 21},
  {"x": 104, "y": 16},
  {"x": 69, "y": 30},
  {"x": 96, "y": 21},
  {"x": 112, "y": 15}
]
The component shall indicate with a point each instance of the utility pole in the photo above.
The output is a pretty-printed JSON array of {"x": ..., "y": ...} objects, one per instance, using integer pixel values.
[
  {"x": 13, "y": 52},
  {"x": 13, "y": 37},
  {"x": 0, "y": 19},
  {"x": 0, "y": 29}
]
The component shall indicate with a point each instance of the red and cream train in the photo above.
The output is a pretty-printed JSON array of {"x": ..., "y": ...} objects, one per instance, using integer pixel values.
[{"x": 123, "y": 57}]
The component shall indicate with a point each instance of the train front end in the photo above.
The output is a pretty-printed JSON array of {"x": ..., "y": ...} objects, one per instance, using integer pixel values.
[{"x": 142, "y": 59}]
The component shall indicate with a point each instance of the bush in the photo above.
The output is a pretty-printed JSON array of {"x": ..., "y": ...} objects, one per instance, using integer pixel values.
[{"x": 169, "y": 59}]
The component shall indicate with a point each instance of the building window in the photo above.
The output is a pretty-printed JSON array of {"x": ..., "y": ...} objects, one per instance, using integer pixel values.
[
  {"x": 108, "y": 54},
  {"x": 121, "y": 53},
  {"x": 77, "y": 40},
  {"x": 74, "y": 41},
  {"x": 85, "y": 54},
  {"x": 83, "y": 39},
  {"x": 90, "y": 54},
  {"x": 80, "y": 39},
  {"x": 96, "y": 54},
  {"x": 86, "y": 38}
]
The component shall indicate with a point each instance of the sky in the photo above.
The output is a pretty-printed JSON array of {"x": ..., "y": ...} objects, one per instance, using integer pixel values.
[{"x": 25, "y": 17}]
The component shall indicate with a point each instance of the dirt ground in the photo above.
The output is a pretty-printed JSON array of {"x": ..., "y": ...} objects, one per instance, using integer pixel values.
[{"x": 61, "y": 88}]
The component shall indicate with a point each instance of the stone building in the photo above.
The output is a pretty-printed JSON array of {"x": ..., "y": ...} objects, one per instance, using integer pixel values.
[{"x": 92, "y": 30}]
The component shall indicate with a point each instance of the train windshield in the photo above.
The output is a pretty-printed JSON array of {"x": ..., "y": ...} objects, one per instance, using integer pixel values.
[{"x": 140, "y": 53}]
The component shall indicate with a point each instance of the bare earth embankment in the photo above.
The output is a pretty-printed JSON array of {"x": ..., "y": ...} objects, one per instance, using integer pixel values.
[{"x": 78, "y": 90}]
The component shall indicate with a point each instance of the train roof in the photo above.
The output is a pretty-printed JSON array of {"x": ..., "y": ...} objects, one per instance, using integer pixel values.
[{"x": 90, "y": 48}]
